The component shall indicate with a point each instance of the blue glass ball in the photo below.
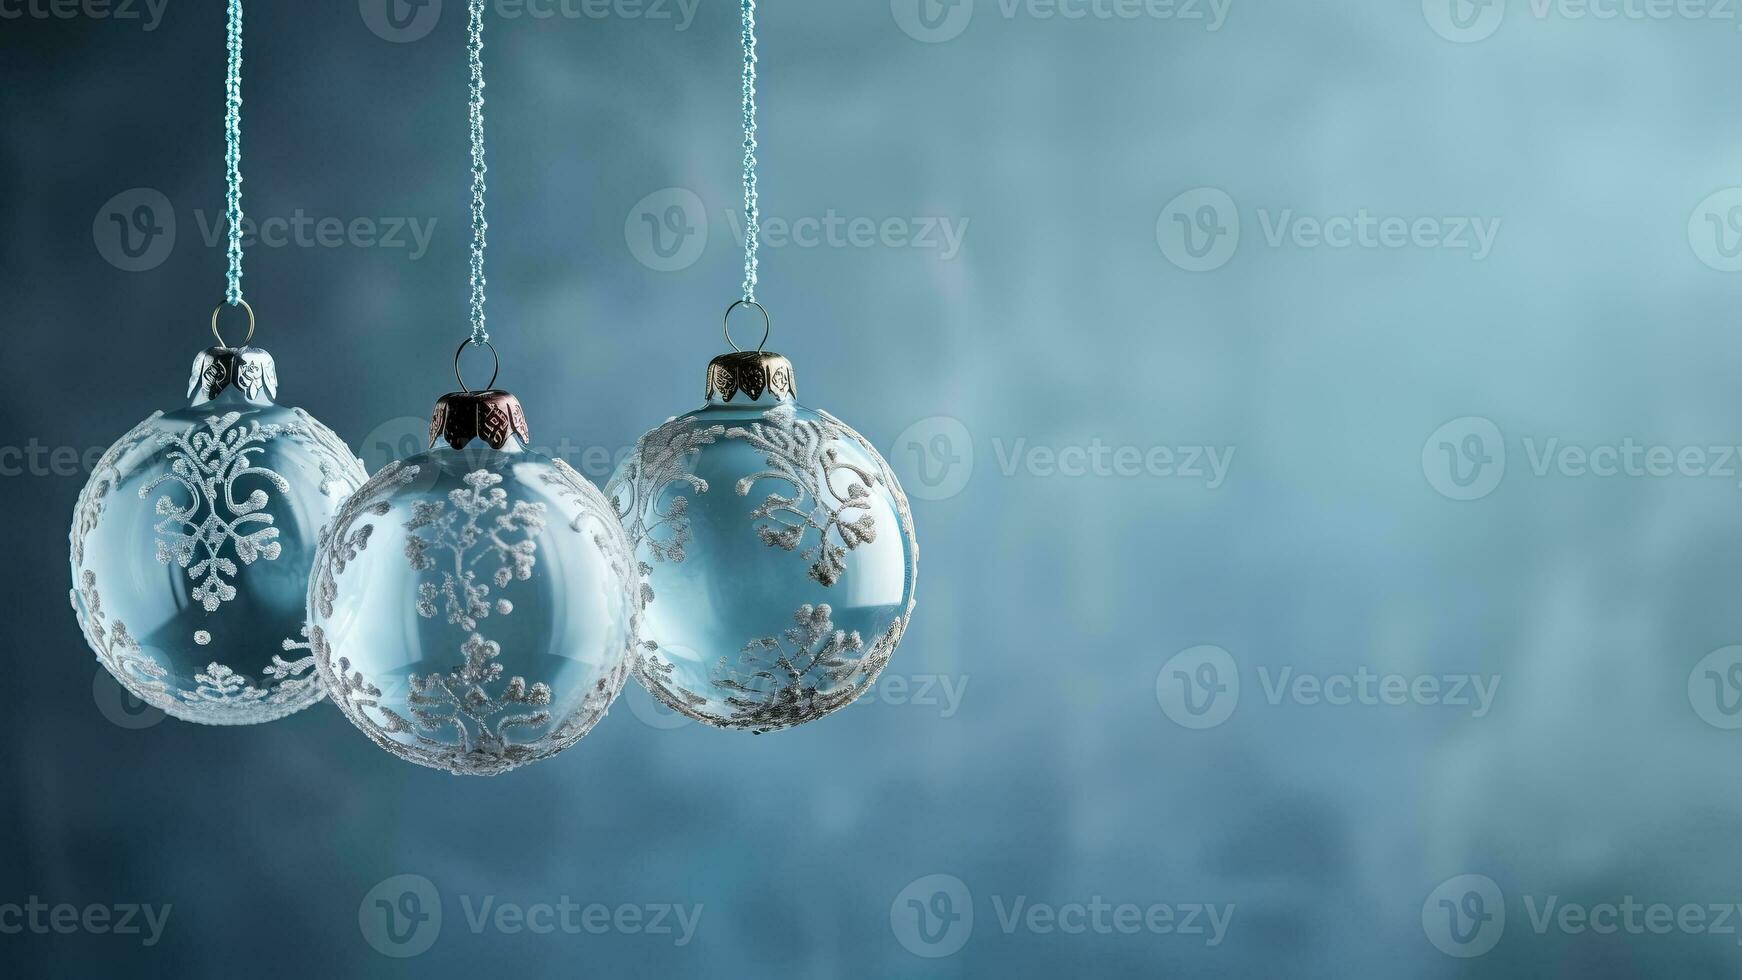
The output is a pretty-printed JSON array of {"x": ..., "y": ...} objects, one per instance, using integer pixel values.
[
  {"x": 473, "y": 609},
  {"x": 778, "y": 553},
  {"x": 192, "y": 544}
]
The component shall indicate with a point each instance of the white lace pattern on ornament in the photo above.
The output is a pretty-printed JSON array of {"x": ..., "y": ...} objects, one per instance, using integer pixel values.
[
  {"x": 220, "y": 693},
  {"x": 208, "y": 462},
  {"x": 341, "y": 471},
  {"x": 471, "y": 710},
  {"x": 467, "y": 719},
  {"x": 827, "y": 494},
  {"x": 116, "y": 648},
  {"x": 662, "y": 458},
  {"x": 105, "y": 477},
  {"x": 807, "y": 671}
]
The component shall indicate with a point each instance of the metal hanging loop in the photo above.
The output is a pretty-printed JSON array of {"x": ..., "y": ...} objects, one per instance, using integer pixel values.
[
  {"x": 767, "y": 323},
  {"x": 242, "y": 303},
  {"x": 494, "y": 370}
]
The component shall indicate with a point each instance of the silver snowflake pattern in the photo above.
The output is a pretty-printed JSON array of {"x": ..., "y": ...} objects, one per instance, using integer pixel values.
[
  {"x": 596, "y": 702},
  {"x": 662, "y": 458},
  {"x": 341, "y": 470},
  {"x": 465, "y": 719},
  {"x": 117, "y": 650},
  {"x": 291, "y": 686},
  {"x": 512, "y": 539},
  {"x": 480, "y": 720},
  {"x": 452, "y": 535},
  {"x": 657, "y": 674},
  {"x": 810, "y": 670},
  {"x": 458, "y": 701},
  {"x": 342, "y": 541},
  {"x": 828, "y": 495},
  {"x": 105, "y": 477},
  {"x": 208, "y": 463}
]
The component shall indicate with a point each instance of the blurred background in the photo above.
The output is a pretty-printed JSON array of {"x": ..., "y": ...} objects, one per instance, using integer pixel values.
[{"x": 1319, "y": 419}]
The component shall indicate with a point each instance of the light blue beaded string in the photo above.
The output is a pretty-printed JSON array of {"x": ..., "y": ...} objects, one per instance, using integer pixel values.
[
  {"x": 475, "y": 51},
  {"x": 233, "y": 154},
  {"x": 751, "y": 210}
]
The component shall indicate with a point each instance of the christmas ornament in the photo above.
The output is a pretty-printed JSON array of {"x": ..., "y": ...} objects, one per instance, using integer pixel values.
[
  {"x": 472, "y": 607},
  {"x": 193, "y": 539},
  {"x": 777, "y": 547}
]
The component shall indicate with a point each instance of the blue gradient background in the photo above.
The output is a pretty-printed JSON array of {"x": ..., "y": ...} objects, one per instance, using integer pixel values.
[{"x": 1056, "y": 601}]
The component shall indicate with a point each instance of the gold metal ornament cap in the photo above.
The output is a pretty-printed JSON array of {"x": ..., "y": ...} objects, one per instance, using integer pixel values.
[
  {"x": 492, "y": 415},
  {"x": 751, "y": 373}
]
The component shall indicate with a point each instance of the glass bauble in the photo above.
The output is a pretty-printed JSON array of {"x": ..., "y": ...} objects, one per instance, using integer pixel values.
[
  {"x": 778, "y": 552},
  {"x": 473, "y": 607},
  {"x": 192, "y": 543}
]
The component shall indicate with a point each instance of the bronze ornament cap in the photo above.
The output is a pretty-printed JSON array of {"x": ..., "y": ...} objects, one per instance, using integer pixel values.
[
  {"x": 751, "y": 373},
  {"x": 493, "y": 416}
]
